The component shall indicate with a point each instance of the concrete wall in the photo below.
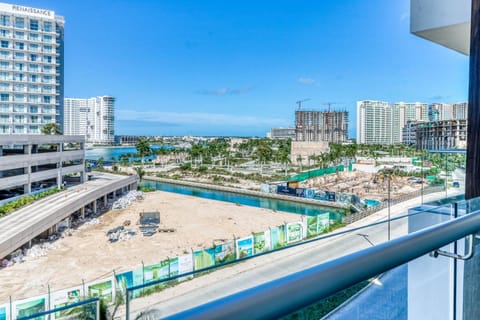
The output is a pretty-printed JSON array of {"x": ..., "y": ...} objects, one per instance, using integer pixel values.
[{"x": 306, "y": 149}]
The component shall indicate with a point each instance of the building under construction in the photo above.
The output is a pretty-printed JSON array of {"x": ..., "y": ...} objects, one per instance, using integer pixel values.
[
  {"x": 444, "y": 134},
  {"x": 327, "y": 126}
]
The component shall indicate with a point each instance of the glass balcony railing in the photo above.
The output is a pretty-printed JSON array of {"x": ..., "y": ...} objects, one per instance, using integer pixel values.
[{"x": 422, "y": 275}]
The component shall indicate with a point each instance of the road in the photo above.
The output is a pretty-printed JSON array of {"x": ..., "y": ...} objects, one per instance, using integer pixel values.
[{"x": 262, "y": 269}]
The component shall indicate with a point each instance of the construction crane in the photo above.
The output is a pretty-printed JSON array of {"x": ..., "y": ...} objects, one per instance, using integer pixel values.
[{"x": 299, "y": 103}]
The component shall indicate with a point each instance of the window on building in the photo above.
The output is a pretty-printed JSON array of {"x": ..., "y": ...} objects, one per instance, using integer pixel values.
[
  {"x": 34, "y": 129},
  {"x": 46, "y": 99},
  {"x": 47, "y": 39},
  {"x": 5, "y": 33},
  {"x": 19, "y": 98},
  {"x": 47, "y": 49},
  {"x": 47, "y": 89},
  {"x": 33, "y": 109},
  {"x": 19, "y": 35},
  {"x": 33, "y": 88},
  {"x": 34, "y": 25},
  {"x": 47, "y": 69},
  {"x": 19, "y": 23},
  {"x": 34, "y": 78},
  {"x": 4, "y": 96},
  {"x": 33, "y": 67},
  {"x": 47, "y": 27},
  {"x": 19, "y": 66},
  {"x": 47, "y": 79},
  {"x": 4, "y": 75},
  {"x": 4, "y": 65},
  {"x": 33, "y": 36},
  {"x": 47, "y": 59},
  {"x": 19, "y": 87},
  {"x": 19, "y": 108},
  {"x": 19, "y": 45},
  {"x": 4, "y": 44},
  {"x": 18, "y": 77},
  {"x": 4, "y": 20},
  {"x": 33, "y": 47},
  {"x": 19, "y": 129},
  {"x": 33, "y": 98},
  {"x": 33, "y": 57},
  {"x": 19, "y": 56}
]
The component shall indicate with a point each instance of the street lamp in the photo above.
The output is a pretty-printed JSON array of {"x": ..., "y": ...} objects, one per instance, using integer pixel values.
[
  {"x": 423, "y": 177},
  {"x": 389, "y": 174}
]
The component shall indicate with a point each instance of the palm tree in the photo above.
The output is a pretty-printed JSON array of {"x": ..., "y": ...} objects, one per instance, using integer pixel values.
[
  {"x": 140, "y": 172},
  {"x": 143, "y": 148},
  {"x": 51, "y": 129},
  {"x": 299, "y": 161},
  {"x": 100, "y": 162}
]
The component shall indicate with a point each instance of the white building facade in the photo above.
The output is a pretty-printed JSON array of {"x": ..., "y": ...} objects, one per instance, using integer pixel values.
[
  {"x": 31, "y": 69},
  {"x": 92, "y": 118},
  {"x": 374, "y": 122},
  {"x": 380, "y": 122}
]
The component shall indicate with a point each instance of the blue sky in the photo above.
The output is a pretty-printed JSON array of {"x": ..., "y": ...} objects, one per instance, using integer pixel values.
[{"x": 237, "y": 67}]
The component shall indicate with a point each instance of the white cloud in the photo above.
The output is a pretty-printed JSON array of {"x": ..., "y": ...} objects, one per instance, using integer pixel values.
[
  {"x": 405, "y": 16},
  {"x": 198, "y": 118},
  {"x": 225, "y": 91},
  {"x": 306, "y": 81}
]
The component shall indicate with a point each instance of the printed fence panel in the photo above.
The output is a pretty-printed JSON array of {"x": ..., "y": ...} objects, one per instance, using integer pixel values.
[
  {"x": 156, "y": 271},
  {"x": 224, "y": 252},
  {"x": 173, "y": 268},
  {"x": 185, "y": 264},
  {"x": 244, "y": 247},
  {"x": 102, "y": 289},
  {"x": 4, "y": 309},
  {"x": 277, "y": 237},
  {"x": 204, "y": 258},
  {"x": 260, "y": 243},
  {"x": 312, "y": 227},
  {"x": 64, "y": 298},
  {"x": 28, "y": 307},
  {"x": 129, "y": 279},
  {"x": 323, "y": 222},
  {"x": 294, "y": 232}
]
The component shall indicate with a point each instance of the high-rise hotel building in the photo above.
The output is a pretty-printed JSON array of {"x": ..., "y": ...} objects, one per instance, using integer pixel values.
[
  {"x": 31, "y": 69},
  {"x": 92, "y": 118},
  {"x": 380, "y": 122}
]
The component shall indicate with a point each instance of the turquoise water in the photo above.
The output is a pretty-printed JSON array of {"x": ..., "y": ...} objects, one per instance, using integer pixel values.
[
  {"x": 273, "y": 204},
  {"x": 371, "y": 202},
  {"x": 115, "y": 152}
]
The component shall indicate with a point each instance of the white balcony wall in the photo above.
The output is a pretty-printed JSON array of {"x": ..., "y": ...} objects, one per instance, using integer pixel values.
[{"x": 446, "y": 22}]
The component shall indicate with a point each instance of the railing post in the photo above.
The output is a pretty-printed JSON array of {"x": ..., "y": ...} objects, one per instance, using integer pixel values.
[{"x": 127, "y": 305}]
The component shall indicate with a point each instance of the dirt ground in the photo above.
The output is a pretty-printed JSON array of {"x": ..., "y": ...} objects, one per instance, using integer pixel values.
[
  {"x": 88, "y": 254},
  {"x": 365, "y": 185}
]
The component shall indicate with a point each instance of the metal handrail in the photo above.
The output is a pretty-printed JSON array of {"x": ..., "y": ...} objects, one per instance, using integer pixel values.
[{"x": 298, "y": 290}]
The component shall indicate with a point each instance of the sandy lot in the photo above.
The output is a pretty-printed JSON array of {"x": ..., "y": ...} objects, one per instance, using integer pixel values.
[{"x": 88, "y": 254}]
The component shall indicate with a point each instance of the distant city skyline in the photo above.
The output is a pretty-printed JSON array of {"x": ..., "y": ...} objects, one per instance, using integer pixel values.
[{"x": 237, "y": 68}]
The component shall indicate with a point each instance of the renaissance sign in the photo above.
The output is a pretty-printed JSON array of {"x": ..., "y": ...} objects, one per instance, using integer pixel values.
[
  {"x": 36, "y": 12},
  {"x": 44, "y": 12}
]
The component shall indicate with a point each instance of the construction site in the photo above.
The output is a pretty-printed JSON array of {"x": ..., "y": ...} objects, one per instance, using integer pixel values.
[{"x": 327, "y": 126}]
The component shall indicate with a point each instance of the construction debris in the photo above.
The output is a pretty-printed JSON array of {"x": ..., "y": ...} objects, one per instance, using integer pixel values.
[
  {"x": 127, "y": 200},
  {"x": 149, "y": 222},
  {"x": 120, "y": 234}
]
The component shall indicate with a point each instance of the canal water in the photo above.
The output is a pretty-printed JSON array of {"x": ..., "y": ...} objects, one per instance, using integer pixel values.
[
  {"x": 259, "y": 202},
  {"x": 107, "y": 153}
]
